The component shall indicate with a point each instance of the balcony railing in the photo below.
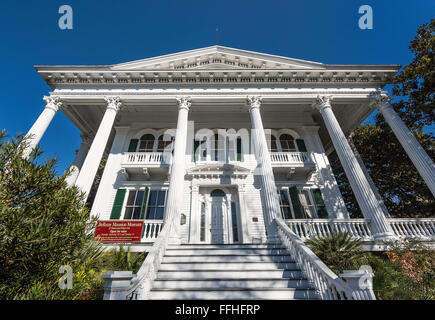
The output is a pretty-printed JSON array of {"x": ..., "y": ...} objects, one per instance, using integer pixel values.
[
  {"x": 152, "y": 229},
  {"x": 290, "y": 158},
  {"x": 142, "y": 158},
  {"x": 421, "y": 229}
]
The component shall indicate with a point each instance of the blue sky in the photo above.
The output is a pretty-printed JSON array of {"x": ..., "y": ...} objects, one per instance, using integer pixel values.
[{"x": 109, "y": 32}]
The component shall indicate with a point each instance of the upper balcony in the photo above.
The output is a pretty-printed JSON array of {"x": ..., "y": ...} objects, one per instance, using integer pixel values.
[
  {"x": 292, "y": 165},
  {"x": 145, "y": 164}
]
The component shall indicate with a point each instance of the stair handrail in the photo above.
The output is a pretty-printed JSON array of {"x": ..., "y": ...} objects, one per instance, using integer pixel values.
[
  {"x": 141, "y": 284},
  {"x": 328, "y": 285}
]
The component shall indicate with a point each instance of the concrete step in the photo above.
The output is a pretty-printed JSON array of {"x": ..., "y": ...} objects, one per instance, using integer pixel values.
[
  {"x": 230, "y": 283},
  {"x": 223, "y": 251},
  {"x": 229, "y": 258},
  {"x": 175, "y": 266},
  {"x": 231, "y": 274},
  {"x": 227, "y": 246},
  {"x": 233, "y": 294}
]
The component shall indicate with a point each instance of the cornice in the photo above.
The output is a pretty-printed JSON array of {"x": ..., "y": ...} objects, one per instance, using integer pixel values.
[{"x": 217, "y": 77}]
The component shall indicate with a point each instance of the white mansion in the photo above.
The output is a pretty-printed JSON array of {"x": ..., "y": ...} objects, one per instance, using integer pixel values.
[{"x": 223, "y": 154}]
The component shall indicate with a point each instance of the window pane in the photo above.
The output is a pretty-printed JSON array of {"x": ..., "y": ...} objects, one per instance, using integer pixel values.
[
  {"x": 287, "y": 143},
  {"x": 158, "y": 214},
  {"x": 273, "y": 145},
  {"x": 128, "y": 212},
  {"x": 139, "y": 198},
  {"x": 202, "y": 226},
  {"x": 161, "y": 198},
  {"x": 286, "y": 213},
  {"x": 150, "y": 213},
  {"x": 153, "y": 198},
  {"x": 284, "y": 199},
  {"x": 234, "y": 222},
  {"x": 136, "y": 213},
  {"x": 162, "y": 144},
  {"x": 131, "y": 196}
]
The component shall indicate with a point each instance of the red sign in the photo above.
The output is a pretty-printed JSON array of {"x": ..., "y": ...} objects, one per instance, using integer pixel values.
[{"x": 119, "y": 231}]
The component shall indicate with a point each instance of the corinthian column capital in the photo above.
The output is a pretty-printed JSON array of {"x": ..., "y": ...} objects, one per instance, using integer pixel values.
[
  {"x": 382, "y": 99},
  {"x": 184, "y": 102},
  {"x": 113, "y": 103},
  {"x": 254, "y": 101},
  {"x": 322, "y": 102},
  {"x": 53, "y": 102}
]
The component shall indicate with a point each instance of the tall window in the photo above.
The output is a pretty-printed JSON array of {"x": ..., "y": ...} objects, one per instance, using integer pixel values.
[
  {"x": 202, "y": 226},
  {"x": 287, "y": 143},
  {"x": 218, "y": 148},
  {"x": 273, "y": 144},
  {"x": 146, "y": 143},
  {"x": 134, "y": 204},
  {"x": 307, "y": 204},
  {"x": 148, "y": 204},
  {"x": 301, "y": 203},
  {"x": 156, "y": 204},
  {"x": 284, "y": 202},
  {"x": 234, "y": 222}
]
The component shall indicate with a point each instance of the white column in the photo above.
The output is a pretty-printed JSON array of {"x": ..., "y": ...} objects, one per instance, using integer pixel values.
[
  {"x": 367, "y": 201},
  {"x": 90, "y": 166},
  {"x": 112, "y": 176},
  {"x": 176, "y": 181},
  {"x": 78, "y": 161},
  {"x": 41, "y": 124},
  {"x": 264, "y": 169},
  {"x": 415, "y": 151}
]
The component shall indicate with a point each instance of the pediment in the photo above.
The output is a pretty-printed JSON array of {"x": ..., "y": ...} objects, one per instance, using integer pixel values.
[
  {"x": 224, "y": 169},
  {"x": 217, "y": 57}
]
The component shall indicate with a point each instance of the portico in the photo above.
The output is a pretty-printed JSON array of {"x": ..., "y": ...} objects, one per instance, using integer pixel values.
[{"x": 230, "y": 185}]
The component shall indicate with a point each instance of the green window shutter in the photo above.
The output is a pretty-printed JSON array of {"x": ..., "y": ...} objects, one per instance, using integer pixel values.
[
  {"x": 144, "y": 203},
  {"x": 133, "y": 145},
  {"x": 195, "y": 147},
  {"x": 297, "y": 206},
  {"x": 239, "y": 150},
  {"x": 301, "y": 145},
  {"x": 117, "y": 204},
  {"x": 319, "y": 204}
]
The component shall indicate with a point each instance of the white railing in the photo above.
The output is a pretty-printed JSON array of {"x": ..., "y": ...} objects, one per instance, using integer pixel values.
[
  {"x": 146, "y": 158},
  {"x": 423, "y": 229},
  {"x": 289, "y": 157},
  {"x": 414, "y": 228},
  {"x": 141, "y": 284},
  {"x": 151, "y": 230},
  {"x": 327, "y": 284},
  {"x": 308, "y": 228}
]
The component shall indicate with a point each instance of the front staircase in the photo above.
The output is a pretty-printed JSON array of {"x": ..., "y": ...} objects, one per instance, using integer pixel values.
[
  {"x": 245, "y": 271},
  {"x": 285, "y": 270}
]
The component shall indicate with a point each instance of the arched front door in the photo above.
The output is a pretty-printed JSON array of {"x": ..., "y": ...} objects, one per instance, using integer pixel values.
[
  {"x": 218, "y": 210},
  {"x": 218, "y": 218}
]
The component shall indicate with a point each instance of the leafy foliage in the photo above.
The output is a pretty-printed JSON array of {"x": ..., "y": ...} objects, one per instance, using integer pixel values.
[
  {"x": 404, "y": 192},
  {"x": 406, "y": 271},
  {"x": 44, "y": 224},
  {"x": 335, "y": 250}
]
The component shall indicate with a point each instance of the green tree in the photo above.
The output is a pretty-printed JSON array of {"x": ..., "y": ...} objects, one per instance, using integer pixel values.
[
  {"x": 43, "y": 225},
  {"x": 404, "y": 192}
]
